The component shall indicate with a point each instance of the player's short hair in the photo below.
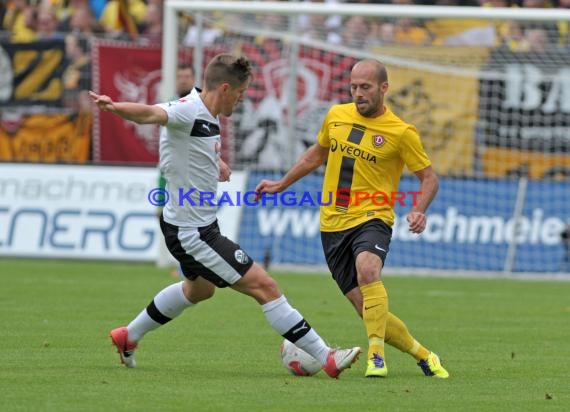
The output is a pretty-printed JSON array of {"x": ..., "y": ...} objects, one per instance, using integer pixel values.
[
  {"x": 382, "y": 73},
  {"x": 227, "y": 68}
]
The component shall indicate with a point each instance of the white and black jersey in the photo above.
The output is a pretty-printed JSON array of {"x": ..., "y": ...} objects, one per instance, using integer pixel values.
[{"x": 189, "y": 161}]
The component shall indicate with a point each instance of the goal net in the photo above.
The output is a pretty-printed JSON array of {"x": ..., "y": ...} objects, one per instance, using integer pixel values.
[{"x": 488, "y": 89}]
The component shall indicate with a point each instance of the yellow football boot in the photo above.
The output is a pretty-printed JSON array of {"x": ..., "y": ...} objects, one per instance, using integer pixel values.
[
  {"x": 432, "y": 367},
  {"x": 376, "y": 367}
]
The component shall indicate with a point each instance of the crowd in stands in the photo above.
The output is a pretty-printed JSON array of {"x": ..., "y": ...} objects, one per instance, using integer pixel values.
[
  {"x": 78, "y": 21},
  {"x": 358, "y": 31}
]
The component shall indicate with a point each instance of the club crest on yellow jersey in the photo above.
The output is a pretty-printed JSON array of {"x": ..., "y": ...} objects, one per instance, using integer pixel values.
[{"x": 378, "y": 140}]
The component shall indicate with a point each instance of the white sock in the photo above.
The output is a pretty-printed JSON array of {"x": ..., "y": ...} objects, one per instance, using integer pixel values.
[
  {"x": 166, "y": 305},
  {"x": 289, "y": 323}
]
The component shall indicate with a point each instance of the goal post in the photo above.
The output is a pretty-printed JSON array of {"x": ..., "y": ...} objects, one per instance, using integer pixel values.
[{"x": 488, "y": 89}]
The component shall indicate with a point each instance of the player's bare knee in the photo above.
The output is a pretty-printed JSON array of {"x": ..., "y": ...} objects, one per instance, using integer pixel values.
[
  {"x": 368, "y": 268},
  {"x": 367, "y": 274}
]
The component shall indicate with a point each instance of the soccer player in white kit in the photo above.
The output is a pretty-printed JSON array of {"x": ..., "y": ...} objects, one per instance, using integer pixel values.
[{"x": 189, "y": 160}]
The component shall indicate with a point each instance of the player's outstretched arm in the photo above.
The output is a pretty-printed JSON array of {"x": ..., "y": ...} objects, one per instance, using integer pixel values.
[
  {"x": 136, "y": 112},
  {"x": 313, "y": 157}
]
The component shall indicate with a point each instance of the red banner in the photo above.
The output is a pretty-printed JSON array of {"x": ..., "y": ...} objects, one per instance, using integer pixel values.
[{"x": 125, "y": 72}]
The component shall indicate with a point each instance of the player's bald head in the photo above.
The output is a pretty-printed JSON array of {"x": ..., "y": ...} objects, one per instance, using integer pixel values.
[{"x": 371, "y": 65}]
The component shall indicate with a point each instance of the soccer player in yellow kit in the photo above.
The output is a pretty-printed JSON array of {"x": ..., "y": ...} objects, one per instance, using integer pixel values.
[{"x": 366, "y": 146}]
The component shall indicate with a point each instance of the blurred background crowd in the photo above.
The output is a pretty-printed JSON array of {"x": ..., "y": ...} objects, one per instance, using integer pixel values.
[{"x": 79, "y": 21}]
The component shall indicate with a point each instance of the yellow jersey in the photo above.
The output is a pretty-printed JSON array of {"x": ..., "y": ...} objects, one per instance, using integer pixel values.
[{"x": 365, "y": 162}]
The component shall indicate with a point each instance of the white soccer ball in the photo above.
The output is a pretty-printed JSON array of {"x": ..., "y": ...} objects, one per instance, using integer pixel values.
[{"x": 297, "y": 361}]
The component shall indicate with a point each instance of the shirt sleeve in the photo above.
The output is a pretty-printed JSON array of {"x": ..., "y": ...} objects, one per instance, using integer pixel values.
[
  {"x": 323, "y": 137},
  {"x": 180, "y": 113},
  {"x": 412, "y": 151}
]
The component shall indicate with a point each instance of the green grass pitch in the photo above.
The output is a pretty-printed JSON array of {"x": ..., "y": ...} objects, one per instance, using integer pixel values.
[{"x": 506, "y": 344}]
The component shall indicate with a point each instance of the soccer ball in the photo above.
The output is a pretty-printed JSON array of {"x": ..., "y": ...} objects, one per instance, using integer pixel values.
[{"x": 297, "y": 361}]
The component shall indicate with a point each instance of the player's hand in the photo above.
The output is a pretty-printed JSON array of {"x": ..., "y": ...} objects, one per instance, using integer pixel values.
[
  {"x": 267, "y": 186},
  {"x": 225, "y": 172},
  {"x": 417, "y": 222},
  {"x": 104, "y": 103}
]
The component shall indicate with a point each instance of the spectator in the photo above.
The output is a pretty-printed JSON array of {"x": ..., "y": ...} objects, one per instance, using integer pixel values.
[
  {"x": 111, "y": 23},
  {"x": 97, "y": 6},
  {"x": 409, "y": 32},
  {"x": 355, "y": 32},
  {"x": 185, "y": 80},
  {"x": 68, "y": 10},
  {"x": 208, "y": 36},
  {"x": 536, "y": 40},
  {"x": 533, "y": 39},
  {"x": 494, "y": 3},
  {"x": 47, "y": 25},
  {"x": 78, "y": 72},
  {"x": 270, "y": 23},
  {"x": 381, "y": 33},
  {"x": 326, "y": 24},
  {"x": 316, "y": 29},
  {"x": 77, "y": 75},
  {"x": 83, "y": 23},
  {"x": 19, "y": 21},
  {"x": 536, "y": 4},
  {"x": 152, "y": 27},
  {"x": 513, "y": 36}
]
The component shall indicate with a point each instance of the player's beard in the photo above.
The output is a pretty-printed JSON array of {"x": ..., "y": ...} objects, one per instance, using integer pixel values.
[{"x": 372, "y": 108}]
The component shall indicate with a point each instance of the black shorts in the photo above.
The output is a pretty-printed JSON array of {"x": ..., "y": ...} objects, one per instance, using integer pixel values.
[
  {"x": 341, "y": 249},
  {"x": 206, "y": 253}
]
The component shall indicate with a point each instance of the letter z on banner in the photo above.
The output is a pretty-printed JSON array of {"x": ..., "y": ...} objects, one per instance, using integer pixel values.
[{"x": 125, "y": 72}]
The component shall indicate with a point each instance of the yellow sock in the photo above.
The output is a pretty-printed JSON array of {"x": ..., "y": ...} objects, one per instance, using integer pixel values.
[
  {"x": 398, "y": 336},
  {"x": 418, "y": 351},
  {"x": 374, "y": 314}
]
